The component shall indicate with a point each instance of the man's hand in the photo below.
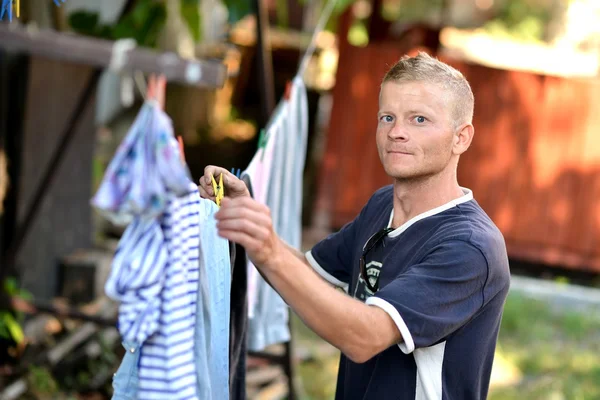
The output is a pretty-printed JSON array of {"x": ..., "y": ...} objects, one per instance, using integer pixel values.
[
  {"x": 245, "y": 221},
  {"x": 234, "y": 187}
]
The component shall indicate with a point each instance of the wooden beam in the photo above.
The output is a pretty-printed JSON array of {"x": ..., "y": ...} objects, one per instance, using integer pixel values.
[{"x": 101, "y": 53}]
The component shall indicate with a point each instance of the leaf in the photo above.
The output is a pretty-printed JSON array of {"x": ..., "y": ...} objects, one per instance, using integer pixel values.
[
  {"x": 281, "y": 10},
  {"x": 84, "y": 22},
  {"x": 15, "y": 329},
  {"x": 148, "y": 34},
  {"x": 190, "y": 11},
  {"x": 238, "y": 9},
  {"x": 4, "y": 332},
  {"x": 10, "y": 286}
]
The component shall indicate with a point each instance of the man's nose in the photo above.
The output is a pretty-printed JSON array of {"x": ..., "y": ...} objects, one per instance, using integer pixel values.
[{"x": 398, "y": 133}]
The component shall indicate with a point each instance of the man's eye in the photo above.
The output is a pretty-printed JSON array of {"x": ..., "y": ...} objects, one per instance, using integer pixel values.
[
  {"x": 387, "y": 118},
  {"x": 420, "y": 119}
]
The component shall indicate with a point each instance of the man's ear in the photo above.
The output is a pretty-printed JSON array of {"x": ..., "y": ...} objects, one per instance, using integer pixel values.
[{"x": 463, "y": 138}]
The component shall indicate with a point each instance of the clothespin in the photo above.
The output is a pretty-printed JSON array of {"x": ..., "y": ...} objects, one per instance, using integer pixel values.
[
  {"x": 218, "y": 189},
  {"x": 6, "y": 6},
  {"x": 156, "y": 89},
  {"x": 237, "y": 174},
  {"x": 262, "y": 142},
  {"x": 181, "y": 152},
  {"x": 288, "y": 90}
]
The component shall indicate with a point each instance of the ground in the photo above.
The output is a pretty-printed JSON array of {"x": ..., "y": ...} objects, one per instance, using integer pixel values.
[{"x": 542, "y": 354}]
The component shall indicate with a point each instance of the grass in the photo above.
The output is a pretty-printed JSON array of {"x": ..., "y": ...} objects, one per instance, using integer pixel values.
[
  {"x": 556, "y": 353},
  {"x": 541, "y": 354}
]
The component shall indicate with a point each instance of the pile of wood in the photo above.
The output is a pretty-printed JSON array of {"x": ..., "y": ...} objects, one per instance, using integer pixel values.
[{"x": 68, "y": 348}]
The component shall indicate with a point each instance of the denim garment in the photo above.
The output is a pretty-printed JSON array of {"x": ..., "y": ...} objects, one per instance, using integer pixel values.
[
  {"x": 125, "y": 381},
  {"x": 214, "y": 324}
]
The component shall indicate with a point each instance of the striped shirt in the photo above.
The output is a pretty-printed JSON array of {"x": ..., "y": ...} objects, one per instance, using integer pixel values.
[
  {"x": 167, "y": 365},
  {"x": 155, "y": 278}
]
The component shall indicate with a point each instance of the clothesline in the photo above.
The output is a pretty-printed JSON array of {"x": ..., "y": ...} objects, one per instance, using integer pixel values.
[
  {"x": 325, "y": 15},
  {"x": 122, "y": 193}
]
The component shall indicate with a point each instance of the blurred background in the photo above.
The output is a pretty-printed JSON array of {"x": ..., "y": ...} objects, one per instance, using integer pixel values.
[{"x": 534, "y": 165}]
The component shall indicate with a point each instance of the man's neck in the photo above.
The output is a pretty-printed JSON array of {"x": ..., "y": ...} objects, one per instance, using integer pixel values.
[{"x": 412, "y": 198}]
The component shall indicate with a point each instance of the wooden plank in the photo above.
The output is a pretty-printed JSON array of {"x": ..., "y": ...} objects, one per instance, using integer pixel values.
[{"x": 99, "y": 53}]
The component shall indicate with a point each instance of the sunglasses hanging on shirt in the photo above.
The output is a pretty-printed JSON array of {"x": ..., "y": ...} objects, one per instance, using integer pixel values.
[{"x": 371, "y": 243}]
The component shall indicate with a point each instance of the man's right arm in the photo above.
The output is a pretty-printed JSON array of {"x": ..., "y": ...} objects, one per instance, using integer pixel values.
[{"x": 331, "y": 258}]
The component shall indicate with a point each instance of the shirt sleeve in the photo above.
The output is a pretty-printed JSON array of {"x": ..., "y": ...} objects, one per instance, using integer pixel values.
[
  {"x": 332, "y": 257},
  {"x": 436, "y": 297}
]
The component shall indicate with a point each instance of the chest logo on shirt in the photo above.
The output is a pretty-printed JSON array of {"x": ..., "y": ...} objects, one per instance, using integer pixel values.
[{"x": 361, "y": 291}]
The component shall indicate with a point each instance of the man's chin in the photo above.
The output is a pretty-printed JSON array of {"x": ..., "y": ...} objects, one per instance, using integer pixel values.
[
  {"x": 400, "y": 173},
  {"x": 407, "y": 175}
]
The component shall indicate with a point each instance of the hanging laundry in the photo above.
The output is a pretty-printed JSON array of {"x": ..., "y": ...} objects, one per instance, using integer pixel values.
[
  {"x": 259, "y": 173},
  {"x": 215, "y": 262},
  {"x": 238, "y": 325},
  {"x": 190, "y": 348},
  {"x": 170, "y": 273},
  {"x": 287, "y": 133},
  {"x": 167, "y": 367},
  {"x": 145, "y": 170}
]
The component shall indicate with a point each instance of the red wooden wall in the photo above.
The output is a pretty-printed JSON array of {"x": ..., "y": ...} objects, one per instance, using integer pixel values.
[{"x": 534, "y": 164}]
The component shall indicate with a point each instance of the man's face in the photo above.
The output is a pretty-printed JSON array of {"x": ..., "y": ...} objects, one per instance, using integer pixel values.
[{"x": 414, "y": 129}]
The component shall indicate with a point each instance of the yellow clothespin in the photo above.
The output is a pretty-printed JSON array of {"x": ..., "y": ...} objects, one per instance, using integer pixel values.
[{"x": 218, "y": 189}]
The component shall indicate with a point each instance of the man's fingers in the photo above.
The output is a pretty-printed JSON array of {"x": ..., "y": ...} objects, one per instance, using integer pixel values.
[
  {"x": 236, "y": 210},
  {"x": 246, "y": 202},
  {"x": 232, "y": 184},
  {"x": 214, "y": 171},
  {"x": 206, "y": 187},
  {"x": 204, "y": 193},
  {"x": 232, "y": 209},
  {"x": 242, "y": 238},
  {"x": 256, "y": 229}
]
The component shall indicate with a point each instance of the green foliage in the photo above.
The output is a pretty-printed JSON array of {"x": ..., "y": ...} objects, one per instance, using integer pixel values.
[
  {"x": 238, "y": 9},
  {"x": 10, "y": 321},
  {"x": 42, "y": 381},
  {"x": 358, "y": 34},
  {"x": 412, "y": 10},
  {"x": 143, "y": 23},
  {"x": 281, "y": 9},
  {"x": 523, "y": 20},
  {"x": 190, "y": 12},
  {"x": 555, "y": 350}
]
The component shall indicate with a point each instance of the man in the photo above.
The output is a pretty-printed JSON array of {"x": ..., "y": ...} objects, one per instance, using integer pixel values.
[{"x": 425, "y": 269}]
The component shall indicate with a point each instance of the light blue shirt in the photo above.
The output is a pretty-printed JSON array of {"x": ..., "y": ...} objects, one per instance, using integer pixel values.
[{"x": 216, "y": 264}]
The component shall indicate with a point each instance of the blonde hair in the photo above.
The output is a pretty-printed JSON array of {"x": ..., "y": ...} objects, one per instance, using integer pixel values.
[{"x": 424, "y": 68}]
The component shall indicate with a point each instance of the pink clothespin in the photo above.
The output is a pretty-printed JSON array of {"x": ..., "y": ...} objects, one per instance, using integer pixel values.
[
  {"x": 157, "y": 89},
  {"x": 288, "y": 90},
  {"x": 180, "y": 141}
]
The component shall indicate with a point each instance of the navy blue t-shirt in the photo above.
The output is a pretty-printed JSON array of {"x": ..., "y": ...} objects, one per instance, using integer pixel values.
[{"x": 443, "y": 279}]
